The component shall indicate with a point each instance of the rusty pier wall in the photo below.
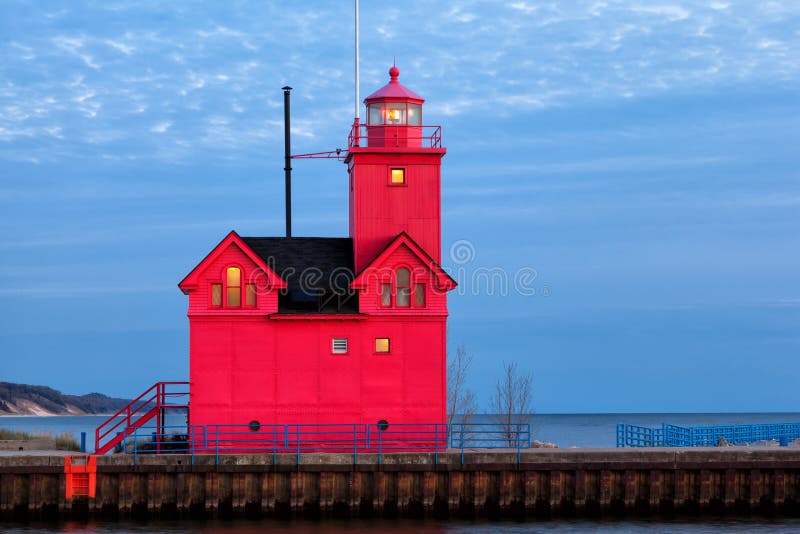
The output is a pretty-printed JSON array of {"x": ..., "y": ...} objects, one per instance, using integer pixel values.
[{"x": 543, "y": 484}]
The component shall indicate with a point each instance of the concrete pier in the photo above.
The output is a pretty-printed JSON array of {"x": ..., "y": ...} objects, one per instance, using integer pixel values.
[{"x": 544, "y": 483}]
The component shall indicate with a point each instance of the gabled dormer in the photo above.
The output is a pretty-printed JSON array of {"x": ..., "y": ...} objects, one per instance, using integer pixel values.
[
  {"x": 403, "y": 279},
  {"x": 232, "y": 280}
]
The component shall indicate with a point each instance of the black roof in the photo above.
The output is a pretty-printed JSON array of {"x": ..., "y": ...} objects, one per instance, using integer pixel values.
[{"x": 307, "y": 262}]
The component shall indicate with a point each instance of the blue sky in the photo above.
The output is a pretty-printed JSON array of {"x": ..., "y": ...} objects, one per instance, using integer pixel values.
[{"x": 641, "y": 157}]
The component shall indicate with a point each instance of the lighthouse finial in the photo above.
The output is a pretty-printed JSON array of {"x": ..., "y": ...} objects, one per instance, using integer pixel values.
[{"x": 394, "y": 72}]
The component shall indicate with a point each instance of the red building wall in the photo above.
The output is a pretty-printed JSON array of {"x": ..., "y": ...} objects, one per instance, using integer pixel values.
[
  {"x": 379, "y": 211},
  {"x": 274, "y": 368},
  {"x": 283, "y": 371}
]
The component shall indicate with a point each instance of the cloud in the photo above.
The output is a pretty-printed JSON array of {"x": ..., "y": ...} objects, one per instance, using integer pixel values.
[
  {"x": 120, "y": 47},
  {"x": 524, "y": 7},
  {"x": 672, "y": 13},
  {"x": 75, "y": 47},
  {"x": 161, "y": 127},
  {"x": 27, "y": 53},
  {"x": 475, "y": 57}
]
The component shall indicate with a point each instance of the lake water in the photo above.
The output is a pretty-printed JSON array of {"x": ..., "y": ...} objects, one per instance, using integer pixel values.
[
  {"x": 432, "y": 527},
  {"x": 565, "y": 430}
]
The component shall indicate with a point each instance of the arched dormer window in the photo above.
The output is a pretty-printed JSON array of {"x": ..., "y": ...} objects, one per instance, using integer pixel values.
[
  {"x": 233, "y": 287},
  {"x": 403, "y": 288},
  {"x": 399, "y": 294}
]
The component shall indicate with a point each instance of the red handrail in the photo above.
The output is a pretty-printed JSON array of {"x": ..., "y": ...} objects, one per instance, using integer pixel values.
[
  {"x": 141, "y": 406},
  {"x": 361, "y": 134}
]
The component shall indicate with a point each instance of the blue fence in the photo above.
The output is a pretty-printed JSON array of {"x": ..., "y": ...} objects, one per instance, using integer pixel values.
[
  {"x": 705, "y": 436},
  {"x": 464, "y": 436},
  {"x": 344, "y": 438}
]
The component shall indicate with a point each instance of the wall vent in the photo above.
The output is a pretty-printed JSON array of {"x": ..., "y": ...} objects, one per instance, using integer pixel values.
[{"x": 339, "y": 345}]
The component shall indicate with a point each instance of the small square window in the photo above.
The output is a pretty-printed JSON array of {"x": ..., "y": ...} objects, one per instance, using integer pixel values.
[
  {"x": 250, "y": 295},
  {"x": 216, "y": 294},
  {"x": 381, "y": 344},
  {"x": 339, "y": 345},
  {"x": 398, "y": 177}
]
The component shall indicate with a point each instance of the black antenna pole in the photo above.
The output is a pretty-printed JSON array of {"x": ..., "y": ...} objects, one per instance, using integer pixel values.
[{"x": 288, "y": 162}]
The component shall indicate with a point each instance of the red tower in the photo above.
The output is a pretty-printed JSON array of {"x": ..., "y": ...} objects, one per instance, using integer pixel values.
[
  {"x": 395, "y": 175},
  {"x": 307, "y": 330}
]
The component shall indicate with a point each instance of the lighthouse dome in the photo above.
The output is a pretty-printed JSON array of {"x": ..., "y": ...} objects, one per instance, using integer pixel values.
[{"x": 394, "y": 104}]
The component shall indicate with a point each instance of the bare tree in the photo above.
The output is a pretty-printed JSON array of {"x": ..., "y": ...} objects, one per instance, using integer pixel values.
[
  {"x": 461, "y": 400},
  {"x": 512, "y": 401}
]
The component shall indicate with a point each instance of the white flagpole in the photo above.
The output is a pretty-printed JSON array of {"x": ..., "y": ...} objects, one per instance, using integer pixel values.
[{"x": 358, "y": 104}]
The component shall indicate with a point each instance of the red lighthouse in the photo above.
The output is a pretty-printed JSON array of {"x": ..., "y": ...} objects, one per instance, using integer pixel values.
[{"x": 308, "y": 330}]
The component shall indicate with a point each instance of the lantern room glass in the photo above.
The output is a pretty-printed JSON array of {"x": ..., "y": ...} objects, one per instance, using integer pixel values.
[
  {"x": 414, "y": 115},
  {"x": 394, "y": 113}
]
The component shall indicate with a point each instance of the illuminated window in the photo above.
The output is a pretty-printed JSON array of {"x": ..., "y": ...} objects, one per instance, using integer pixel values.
[
  {"x": 339, "y": 345},
  {"x": 403, "y": 279},
  {"x": 395, "y": 113},
  {"x": 250, "y": 295},
  {"x": 386, "y": 295},
  {"x": 419, "y": 295},
  {"x": 216, "y": 294},
  {"x": 381, "y": 344},
  {"x": 233, "y": 287},
  {"x": 398, "y": 177}
]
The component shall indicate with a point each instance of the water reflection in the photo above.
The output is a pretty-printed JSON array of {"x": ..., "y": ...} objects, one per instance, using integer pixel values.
[{"x": 425, "y": 527}]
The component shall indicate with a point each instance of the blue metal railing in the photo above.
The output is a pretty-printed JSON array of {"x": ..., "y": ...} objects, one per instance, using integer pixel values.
[
  {"x": 704, "y": 436},
  {"x": 219, "y": 440},
  {"x": 490, "y": 436}
]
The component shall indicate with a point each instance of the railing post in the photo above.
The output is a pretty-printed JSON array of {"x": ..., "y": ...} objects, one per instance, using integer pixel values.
[
  {"x": 462, "y": 446},
  {"x": 380, "y": 446},
  {"x": 355, "y": 443},
  {"x": 191, "y": 445},
  {"x": 297, "y": 437},
  {"x": 274, "y": 445},
  {"x": 83, "y": 441},
  {"x": 216, "y": 440},
  {"x": 436, "y": 443}
]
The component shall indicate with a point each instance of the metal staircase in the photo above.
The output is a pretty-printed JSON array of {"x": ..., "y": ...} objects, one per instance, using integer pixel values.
[{"x": 153, "y": 403}]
